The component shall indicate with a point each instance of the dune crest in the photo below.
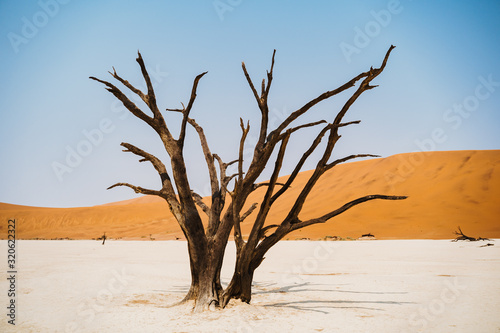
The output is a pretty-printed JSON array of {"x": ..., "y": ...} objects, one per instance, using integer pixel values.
[{"x": 445, "y": 189}]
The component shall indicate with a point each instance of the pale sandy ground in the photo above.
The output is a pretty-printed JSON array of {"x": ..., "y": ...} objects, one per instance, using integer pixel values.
[{"x": 350, "y": 286}]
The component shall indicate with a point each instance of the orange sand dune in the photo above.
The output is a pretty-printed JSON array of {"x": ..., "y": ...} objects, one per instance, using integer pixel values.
[{"x": 445, "y": 189}]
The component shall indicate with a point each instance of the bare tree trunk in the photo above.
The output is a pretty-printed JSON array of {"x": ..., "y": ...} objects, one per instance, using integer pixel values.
[{"x": 240, "y": 286}]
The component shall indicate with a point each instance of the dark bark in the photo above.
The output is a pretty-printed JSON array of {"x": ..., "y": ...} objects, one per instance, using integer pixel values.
[
  {"x": 206, "y": 247},
  {"x": 103, "y": 237},
  {"x": 463, "y": 237}
]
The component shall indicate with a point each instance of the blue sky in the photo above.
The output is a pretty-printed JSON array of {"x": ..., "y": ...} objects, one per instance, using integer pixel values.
[{"x": 440, "y": 90}]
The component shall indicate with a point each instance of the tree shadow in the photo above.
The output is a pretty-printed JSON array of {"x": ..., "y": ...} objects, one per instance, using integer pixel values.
[
  {"x": 338, "y": 304},
  {"x": 317, "y": 305},
  {"x": 311, "y": 305},
  {"x": 267, "y": 288},
  {"x": 301, "y": 287}
]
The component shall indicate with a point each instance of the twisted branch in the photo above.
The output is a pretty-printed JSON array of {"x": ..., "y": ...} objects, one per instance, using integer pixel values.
[
  {"x": 328, "y": 216},
  {"x": 137, "y": 189}
]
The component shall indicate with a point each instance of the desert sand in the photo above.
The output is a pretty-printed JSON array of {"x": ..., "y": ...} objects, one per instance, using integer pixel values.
[
  {"x": 445, "y": 189},
  {"x": 302, "y": 286}
]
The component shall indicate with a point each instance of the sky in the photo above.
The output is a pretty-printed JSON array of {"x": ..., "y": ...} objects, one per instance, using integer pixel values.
[{"x": 60, "y": 132}]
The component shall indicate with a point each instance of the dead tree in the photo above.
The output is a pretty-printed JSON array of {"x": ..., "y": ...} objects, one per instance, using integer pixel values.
[
  {"x": 463, "y": 237},
  {"x": 206, "y": 246},
  {"x": 103, "y": 237}
]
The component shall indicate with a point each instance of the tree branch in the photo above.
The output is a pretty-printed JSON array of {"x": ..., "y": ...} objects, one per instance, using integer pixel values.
[
  {"x": 227, "y": 179},
  {"x": 130, "y": 86},
  {"x": 250, "y": 83},
  {"x": 177, "y": 110},
  {"x": 224, "y": 180},
  {"x": 301, "y": 162},
  {"x": 157, "y": 164},
  {"x": 151, "y": 98},
  {"x": 365, "y": 85},
  {"x": 156, "y": 122},
  {"x": 322, "y": 165},
  {"x": 126, "y": 102},
  {"x": 244, "y": 134},
  {"x": 304, "y": 157},
  {"x": 348, "y": 158},
  {"x": 294, "y": 129},
  {"x": 187, "y": 110},
  {"x": 218, "y": 193},
  {"x": 261, "y": 102},
  {"x": 209, "y": 157},
  {"x": 342, "y": 209},
  {"x": 289, "y": 225},
  {"x": 238, "y": 237},
  {"x": 199, "y": 201},
  {"x": 248, "y": 212},
  {"x": 294, "y": 115},
  {"x": 256, "y": 186},
  {"x": 269, "y": 77},
  {"x": 265, "y": 229},
  {"x": 137, "y": 189},
  {"x": 266, "y": 202}
]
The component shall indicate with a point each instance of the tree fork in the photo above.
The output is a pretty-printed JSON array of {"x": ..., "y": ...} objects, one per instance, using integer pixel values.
[{"x": 206, "y": 247}]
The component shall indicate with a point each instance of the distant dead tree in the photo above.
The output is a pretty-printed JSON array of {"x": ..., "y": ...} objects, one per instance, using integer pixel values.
[
  {"x": 103, "y": 237},
  {"x": 463, "y": 237},
  {"x": 227, "y": 209}
]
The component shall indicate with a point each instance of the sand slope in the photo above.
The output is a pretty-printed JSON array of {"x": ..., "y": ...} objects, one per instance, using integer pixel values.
[{"x": 445, "y": 189}]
